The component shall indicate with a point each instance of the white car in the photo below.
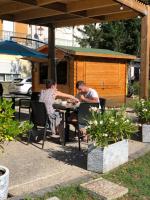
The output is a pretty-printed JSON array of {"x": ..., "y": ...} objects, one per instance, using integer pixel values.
[{"x": 21, "y": 86}]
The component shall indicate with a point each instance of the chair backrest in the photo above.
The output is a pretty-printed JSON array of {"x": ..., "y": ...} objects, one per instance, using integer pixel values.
[
  {"x": 35, "y": 96},
  {"x": 39, "y": 114},
  {"x": 84, "y": 113},
  {"x": 102, "y": 103}
]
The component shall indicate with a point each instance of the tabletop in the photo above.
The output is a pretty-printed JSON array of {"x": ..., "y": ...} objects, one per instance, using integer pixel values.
[{"x": 68, "y": 106}]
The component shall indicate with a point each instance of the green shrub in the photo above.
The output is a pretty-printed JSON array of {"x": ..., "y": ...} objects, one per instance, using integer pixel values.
[
  {"x": 142, "y": 108},
  {"x": 10, "y": 128},
  {"x": 109, "y": 127}
]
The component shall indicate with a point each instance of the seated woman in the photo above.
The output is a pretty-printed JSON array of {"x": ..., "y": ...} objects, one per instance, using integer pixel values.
[{"x": 48, "y": 96}]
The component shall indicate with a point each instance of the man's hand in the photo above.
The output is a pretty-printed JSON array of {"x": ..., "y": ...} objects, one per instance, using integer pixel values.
[{"x": 82, "y": 98}]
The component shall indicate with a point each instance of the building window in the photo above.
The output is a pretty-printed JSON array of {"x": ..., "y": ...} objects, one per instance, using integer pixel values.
[
  {"x": 43, "y": 72},
  {"x": 61, "y": 72},
  {"x": 8, "y": 77},
  {"x": 2, "y": 77}
]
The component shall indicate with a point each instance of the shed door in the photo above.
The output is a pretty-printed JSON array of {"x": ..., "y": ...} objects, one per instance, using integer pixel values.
[
  {"x": 109, "y": 79},
  {"x": 103, "y": 74}
]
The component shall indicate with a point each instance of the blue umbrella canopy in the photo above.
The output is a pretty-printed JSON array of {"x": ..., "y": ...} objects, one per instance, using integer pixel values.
[{"x": 14, "y": 48}]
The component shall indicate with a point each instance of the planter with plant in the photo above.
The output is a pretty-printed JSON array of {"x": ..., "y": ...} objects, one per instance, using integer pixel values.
[
  {"x": 142, "y": 109},
  {"x": 10, "y": 129},
  {"x": 109, "y": 133}
]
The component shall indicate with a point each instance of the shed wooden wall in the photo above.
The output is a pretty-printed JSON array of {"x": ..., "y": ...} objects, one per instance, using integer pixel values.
[
  {"x": 68, "y": 88},
  {"x": 107, "y": 76}
]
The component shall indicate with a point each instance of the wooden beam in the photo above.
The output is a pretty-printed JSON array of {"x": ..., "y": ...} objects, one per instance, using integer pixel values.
[
  {"x": 121, "y": 16},
  {"x": 35, "y": 13},
  {"x": 57, "y": 6},
  {"x": 13, "y": 7},
  {"x": 135, "y": 5},
  {"x": 97, "y": 19},
  {"x": 30, "y": 2},
  {"x": 46, "y": 2},
  {"x": 107, "y": 11},
  {"x": 52, "y": 19},
  {"x": 145, "y": 56},
  {"x": 76, "y": 22},
  {"x": 51, "y": 52},
  {"x": 88, "y": 4}
]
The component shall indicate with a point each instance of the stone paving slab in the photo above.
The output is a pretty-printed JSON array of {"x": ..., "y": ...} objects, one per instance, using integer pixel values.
[
  {"x": 104, "y": 189},
  {"x": 53, "y": 198}
]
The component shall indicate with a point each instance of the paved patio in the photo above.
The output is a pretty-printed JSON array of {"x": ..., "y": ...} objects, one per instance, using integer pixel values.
[{"x": 32, "y": 169}]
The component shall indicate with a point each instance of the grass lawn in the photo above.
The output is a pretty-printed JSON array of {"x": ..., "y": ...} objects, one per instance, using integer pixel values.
[
  {"x": 134, "y": 175},
  {"x": 73, "y": 192}
]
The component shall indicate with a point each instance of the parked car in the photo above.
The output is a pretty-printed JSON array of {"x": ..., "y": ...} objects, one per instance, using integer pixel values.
[{"x": 21, "y": 86}]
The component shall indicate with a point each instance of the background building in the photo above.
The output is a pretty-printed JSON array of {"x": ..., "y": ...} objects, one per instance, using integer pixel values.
[{"x": 11, "y": 66}]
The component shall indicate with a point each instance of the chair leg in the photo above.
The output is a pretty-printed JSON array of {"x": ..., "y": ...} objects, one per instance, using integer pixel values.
[
  {"x": 44, "y": 136},
  {"x": 79, "y": 140},
  {"x": 19, "y": 113},
  {"x": 29, "y": 137}
]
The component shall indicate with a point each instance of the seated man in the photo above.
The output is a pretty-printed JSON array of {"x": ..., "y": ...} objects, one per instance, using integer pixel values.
[
  {"x": 86, "y": 94},
  {"x": 48, "y": 96}
]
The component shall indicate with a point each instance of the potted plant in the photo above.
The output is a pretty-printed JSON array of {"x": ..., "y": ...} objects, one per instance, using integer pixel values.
[
  {"x": 9, "y": 130},
  {"x": 109, "y": 133},
  {"x": 142, "y": 108}
]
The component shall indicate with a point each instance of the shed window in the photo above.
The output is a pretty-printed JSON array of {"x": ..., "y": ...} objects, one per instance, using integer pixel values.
[
  {"x": 62, "y": 72},
  {"x": 43, "y": 72}
]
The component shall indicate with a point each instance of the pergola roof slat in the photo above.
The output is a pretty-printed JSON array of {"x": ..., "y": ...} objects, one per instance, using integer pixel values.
[{"x": 69, "y": 12}]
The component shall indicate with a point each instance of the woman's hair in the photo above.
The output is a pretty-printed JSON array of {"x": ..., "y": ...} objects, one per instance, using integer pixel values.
[{"x": 50, "y": 83}]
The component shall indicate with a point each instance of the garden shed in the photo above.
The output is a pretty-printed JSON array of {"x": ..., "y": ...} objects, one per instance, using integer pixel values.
[{"x": 104, "y": 70}]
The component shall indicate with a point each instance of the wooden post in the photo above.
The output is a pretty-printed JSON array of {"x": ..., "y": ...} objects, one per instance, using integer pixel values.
[
  {"x": 51, "y": 52},
  {"x": 145, "y": 55}
]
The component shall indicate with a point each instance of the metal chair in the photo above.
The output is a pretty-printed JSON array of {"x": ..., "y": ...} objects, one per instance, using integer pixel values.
[
  {"x": 39, "y": 117},
  {"x": 24, "y": 104},
  {"x": 102, "y": 104},
  {"x": 83, "y": 115}
]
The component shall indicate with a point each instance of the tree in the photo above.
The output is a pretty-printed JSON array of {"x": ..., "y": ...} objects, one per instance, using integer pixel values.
[
  {"x": 122, "y": 36},
  {"x": 145, "y": 1}
]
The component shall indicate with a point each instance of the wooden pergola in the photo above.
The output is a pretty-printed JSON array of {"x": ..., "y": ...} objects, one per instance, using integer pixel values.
[{"x": 60, "y": 13}]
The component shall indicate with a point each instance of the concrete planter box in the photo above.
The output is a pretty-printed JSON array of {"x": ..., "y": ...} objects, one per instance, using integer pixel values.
[
  {"x": 105, "y": 159},
  {"x": 4, "y": 182},
  {"x": 146, "y": 133}
]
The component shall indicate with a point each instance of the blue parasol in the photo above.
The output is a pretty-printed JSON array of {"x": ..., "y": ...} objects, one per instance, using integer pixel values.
[{"x": 13, "y": 48}]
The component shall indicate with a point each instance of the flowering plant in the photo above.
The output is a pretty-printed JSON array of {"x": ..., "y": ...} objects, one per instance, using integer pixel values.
[
  {"x": 109, "y": 127},
  {"x": 142, "y": 108},
  {"x": 10, "y": 128}
]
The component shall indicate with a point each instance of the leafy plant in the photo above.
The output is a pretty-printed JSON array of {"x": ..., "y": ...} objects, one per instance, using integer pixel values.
[
  {"x": 109, "y": 127},
  {"x": 142, "y": 108},
  {"x": 10, "y": 128}
]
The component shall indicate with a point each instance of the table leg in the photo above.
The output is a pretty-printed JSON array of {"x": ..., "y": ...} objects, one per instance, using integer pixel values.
[
  {"x": 13, "y": 103},
  {"x": 67, "y": 114}
]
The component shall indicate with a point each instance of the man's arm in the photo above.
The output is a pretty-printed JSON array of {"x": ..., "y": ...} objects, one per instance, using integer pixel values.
[{"x": 89, "y": 100}]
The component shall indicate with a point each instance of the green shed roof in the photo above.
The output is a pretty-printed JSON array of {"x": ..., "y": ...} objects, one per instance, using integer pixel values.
[
  {"x": 95, "y": 52},
  {"x": 89, "y": 52}
]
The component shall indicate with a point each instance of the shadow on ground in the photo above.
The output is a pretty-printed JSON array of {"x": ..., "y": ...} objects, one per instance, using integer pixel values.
[{"x": 70, "y": 155}]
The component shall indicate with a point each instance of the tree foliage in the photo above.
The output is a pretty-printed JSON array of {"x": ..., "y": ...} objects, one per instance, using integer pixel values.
[
  {"x": 122, "y": 36},
  {"x": 145, "y": 1}
]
